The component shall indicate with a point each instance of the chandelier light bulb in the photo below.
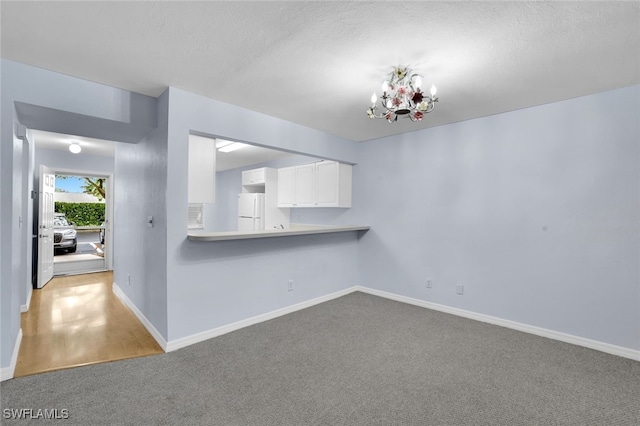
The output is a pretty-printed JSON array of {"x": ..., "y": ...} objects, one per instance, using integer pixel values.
[
  {"x": 433, "y": 90},
  {"x": 385, "y": 87},
  {"x": 374, "y": 98},
  {"x": 418, "y": 82}
]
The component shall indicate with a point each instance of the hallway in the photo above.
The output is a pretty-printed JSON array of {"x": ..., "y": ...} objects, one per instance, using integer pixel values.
[{"x": 78, "y": 320}]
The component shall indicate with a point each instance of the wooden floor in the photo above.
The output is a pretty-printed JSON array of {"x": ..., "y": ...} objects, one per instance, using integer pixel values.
[{"x": 78, "y": 320}]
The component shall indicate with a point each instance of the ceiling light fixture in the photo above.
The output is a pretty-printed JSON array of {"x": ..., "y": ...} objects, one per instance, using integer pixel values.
[
  {"x": 221, "y": 143},
  {"x": 233, "y": 146},
  {"x": 75, "y": 147},
  {"x": 402, "y": 97}
]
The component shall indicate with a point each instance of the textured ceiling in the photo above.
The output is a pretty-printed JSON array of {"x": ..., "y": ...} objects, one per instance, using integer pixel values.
[{"x": 317, "y": 63}]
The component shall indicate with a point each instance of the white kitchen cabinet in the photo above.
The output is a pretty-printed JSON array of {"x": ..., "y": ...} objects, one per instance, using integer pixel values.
[
  {"x": 201, "y": 172},
  {"x": 286, "y": 186},
  {"x": 333, "y": 184},
  {"x": 253, "y": 177},
  {"x": 305, "y": 185},
  {"x": 319, "y": 184}
]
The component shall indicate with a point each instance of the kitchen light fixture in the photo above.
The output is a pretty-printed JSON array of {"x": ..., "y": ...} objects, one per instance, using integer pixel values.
[
  {"x": 229, "y": 146},
  {"x": 75, "y": 147},
  {"x": 402, "y": 97}
]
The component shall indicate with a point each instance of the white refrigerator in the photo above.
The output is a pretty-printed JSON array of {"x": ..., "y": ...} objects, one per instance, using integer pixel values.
[{"x": 250, "y": 212}]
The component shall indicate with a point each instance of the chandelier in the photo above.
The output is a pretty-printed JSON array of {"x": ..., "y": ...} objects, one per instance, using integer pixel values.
[{"x": 402, "y": 97}]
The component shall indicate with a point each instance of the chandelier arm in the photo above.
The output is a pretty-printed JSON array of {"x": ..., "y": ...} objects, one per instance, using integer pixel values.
[
  {"x": 432, "y": 104},
  {"x": 379, "y": 115},
  {"x": 430, "y": 107}
]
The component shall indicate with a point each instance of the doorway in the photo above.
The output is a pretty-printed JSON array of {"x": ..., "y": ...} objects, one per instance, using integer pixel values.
[
  {"x": 82, "y": 239},
  {"x": 77, "y": 223},
  {"x": 81, "y": 218}
]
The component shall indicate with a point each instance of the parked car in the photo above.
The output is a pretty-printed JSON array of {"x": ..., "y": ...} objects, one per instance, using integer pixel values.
[{"x": 64, "y": 234}]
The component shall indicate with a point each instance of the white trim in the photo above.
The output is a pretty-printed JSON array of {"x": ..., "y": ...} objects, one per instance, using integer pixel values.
[
  {"x": 109, "y": 215},
  {"x": 78, "y": 267},
  {"x": 6, "y": 373},
  {"x": 538, "y": 331},
  {"x": 218, "y": 331},
  {"x": 147, "y": 324},
  {"x": 25, "y": 307}
]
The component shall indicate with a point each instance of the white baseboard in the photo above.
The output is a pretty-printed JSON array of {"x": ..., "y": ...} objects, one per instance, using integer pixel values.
[
  {"x": 199, "y": 337},
  {"x": 147, "y": 324},
  {"x": 538, "y": 331},
  {"x": 25, "y": 307},
  {"x": 6, "y": 373}
]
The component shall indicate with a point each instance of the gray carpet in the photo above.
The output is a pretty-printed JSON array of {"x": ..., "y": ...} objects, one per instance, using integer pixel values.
[{"x": 356, "y": 360}]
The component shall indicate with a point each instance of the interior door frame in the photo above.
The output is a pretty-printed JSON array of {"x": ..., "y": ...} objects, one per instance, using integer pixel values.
[
  {"x": 45, "y": 227},
  {"x": 109, "y": 207}
]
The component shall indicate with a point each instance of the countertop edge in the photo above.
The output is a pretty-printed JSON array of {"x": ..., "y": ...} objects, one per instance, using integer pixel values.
[{"x": 310, "y": 230}]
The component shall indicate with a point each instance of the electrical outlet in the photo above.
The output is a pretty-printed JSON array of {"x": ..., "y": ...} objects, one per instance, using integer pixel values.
[
  {"x": 460, "y": 289},
  {"x": 429, "y": 283},
  {"x": 128, "y": 279},
  {"x": 290, "y": 285}
]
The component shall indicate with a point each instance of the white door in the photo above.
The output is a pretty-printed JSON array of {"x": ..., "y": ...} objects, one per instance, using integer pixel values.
[{"x": 45, "y": 226}]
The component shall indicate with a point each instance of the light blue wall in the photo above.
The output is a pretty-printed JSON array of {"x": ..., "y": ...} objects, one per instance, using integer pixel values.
[
  {"x": 217, "y": 283},
  {"x": 11, "y": 262},
  {"x": 140, "y": 252},
  {"x": 6, "y": 332},
  {"x": 9, "y": 287},
  {"x": 222, "y": 215},
  {"x": 535, "y": 212},
  {"x": 26, "y": 275}
]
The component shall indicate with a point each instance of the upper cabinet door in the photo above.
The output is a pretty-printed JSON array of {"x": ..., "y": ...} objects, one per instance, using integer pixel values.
[
  {"x": 253, "y": 177},
  {"x": 305, "y": 185},
  {"x": 286, "y": 186},
  {"x": 319, "y": 184},
  {"x": 202, "y": 169},
  {"x": 327, "y": 184},
  {"x": 333, "y": 187}
]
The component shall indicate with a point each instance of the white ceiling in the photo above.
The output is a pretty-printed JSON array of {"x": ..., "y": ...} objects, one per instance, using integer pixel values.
[
  {"x": 57, "y": 141},
  {"x": 317, "y": 63}
]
